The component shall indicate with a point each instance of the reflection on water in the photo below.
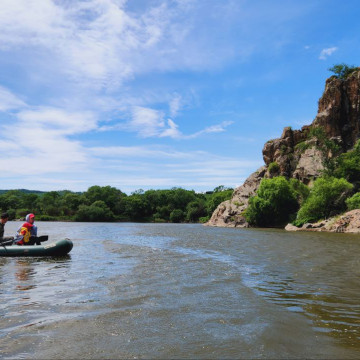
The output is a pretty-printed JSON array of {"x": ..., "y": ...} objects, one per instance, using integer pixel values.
[{"x": 183, "y": 291}]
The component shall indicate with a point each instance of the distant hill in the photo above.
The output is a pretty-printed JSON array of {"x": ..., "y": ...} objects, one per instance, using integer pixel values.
[
  {"x": 37, "y": 192},
  {"x": 24, "y": 191}
]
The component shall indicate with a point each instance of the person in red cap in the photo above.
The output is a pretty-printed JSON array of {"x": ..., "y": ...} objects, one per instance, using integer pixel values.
[{"x": 27, "y": 232}]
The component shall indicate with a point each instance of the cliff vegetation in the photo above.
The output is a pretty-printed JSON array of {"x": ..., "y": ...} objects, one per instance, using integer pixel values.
[{"x": 310, "y": 174}]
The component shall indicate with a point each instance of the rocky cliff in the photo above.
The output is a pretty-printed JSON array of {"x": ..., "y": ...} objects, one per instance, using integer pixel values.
[{"x": 339, "y": 117}]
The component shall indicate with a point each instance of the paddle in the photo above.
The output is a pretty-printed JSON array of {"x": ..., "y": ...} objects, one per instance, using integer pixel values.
[
  {"x": 6, "y": 241},
  {"x": 36, "y": 239}
]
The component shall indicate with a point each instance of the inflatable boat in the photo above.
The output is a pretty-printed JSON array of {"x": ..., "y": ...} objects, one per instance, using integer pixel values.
[{"x": 56, "y": 248}]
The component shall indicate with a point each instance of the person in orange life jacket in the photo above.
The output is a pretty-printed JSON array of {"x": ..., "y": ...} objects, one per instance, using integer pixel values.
[
  {"x": 29, "y": 219},
  {"x": 24, "y": 235}
]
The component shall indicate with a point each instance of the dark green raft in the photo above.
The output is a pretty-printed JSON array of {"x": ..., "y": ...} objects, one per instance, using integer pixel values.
[{"x": 56, "y": 248}]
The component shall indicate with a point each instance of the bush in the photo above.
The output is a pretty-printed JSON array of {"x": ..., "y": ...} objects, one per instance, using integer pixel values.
[
  {"x": 97, "y": 211},
  {"x": 177, "y": 216},
  {"x": 274, "y": 168},
  {"x": 274, "y": 205},
  {"x": 342, "y": 71},
  {"x": 300, "y": 190},
  {"x": 348, "y": 165},
  {"x": 326, "y": 198},
  {"x": 353, "y": 202},
  {"x": 204, "y": 219},
  {"x": 46, "y": 218}
]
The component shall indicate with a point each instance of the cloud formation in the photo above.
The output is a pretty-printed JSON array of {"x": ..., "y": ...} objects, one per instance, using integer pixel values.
[
  {"x": 325, "y": 53},
  {"x": 87, "y": 85}
]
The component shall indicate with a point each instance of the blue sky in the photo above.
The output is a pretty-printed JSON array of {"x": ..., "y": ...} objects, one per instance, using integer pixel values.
[{"x": 155, "y": 94}]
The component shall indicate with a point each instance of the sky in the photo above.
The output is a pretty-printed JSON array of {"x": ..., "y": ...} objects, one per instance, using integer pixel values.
[{"x": 156, "y": 94}]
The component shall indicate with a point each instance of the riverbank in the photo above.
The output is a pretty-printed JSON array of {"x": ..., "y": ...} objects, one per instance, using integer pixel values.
[{"x": 348, "y": 222}]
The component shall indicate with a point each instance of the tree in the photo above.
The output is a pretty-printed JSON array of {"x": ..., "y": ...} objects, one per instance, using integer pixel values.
[
  {"x": 50, "y": 203},
  {"x": 30, "y": 201},
  {"x": 274, "y": 203},
  {"x": 216, "y": 198},
  {"x": 353, "y": 202},
  {"x": 326, "y": 198},
  {"x": 195, "y": 209},
  {"x": 70, "y": 202},
  {"x": 111, "y": 196},
  {"x": 348, "y": 165},
  {"x": 177, "y": 216},
  {"x": 97, "y": 211},
  {"x": 342, "y": 71},
  {"x": 136, "y": 207}
]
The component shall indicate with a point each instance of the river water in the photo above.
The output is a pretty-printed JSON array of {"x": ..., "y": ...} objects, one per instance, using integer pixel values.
[{"x": 160, "y": 291}]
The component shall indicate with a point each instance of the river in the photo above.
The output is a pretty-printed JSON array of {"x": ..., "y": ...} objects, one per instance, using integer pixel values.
[{"x": 161, "y": 291}]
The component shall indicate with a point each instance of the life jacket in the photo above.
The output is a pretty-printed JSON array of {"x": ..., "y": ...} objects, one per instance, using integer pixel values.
[{"x": 25, "y": 232}]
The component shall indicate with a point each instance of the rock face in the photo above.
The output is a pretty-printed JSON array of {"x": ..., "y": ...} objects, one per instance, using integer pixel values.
[
  {"x": 230, "y": 213},
  {"x": 294, "y": 154},
  {"x": 346, "y": 223}
]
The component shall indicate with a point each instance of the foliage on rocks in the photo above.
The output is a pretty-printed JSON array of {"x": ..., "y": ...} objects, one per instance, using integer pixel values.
[
  {"x": 275, "y": 203},
  {"x": 327, "y": 198},
  {"x": 343, "y": 71}
]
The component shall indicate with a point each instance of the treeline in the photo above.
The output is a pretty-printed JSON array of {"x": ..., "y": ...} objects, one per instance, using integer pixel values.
[
  {"x": 280, "y": 200},
  {"x": 111, "y": 204}
]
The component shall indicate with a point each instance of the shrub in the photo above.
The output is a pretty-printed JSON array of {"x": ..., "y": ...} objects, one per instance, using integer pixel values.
[
  {"x": 300, "y": 190},
  {"x": 97, "y": 211},
  {"x": 275, "y": 203},
  {"x": 353, "y": 202},
  {"x": 204, "y": 219},
  {"x": 342, "y": 71},
  {"x": 46, "y": 218},
  {"x": 177, "y": 216},
  {"x": 348, "y": 165},
  {"x": 274, "y": 168},
  {"x": 326, "y": 198}
]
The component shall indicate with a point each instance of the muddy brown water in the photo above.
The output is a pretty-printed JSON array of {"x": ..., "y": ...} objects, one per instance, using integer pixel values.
[{"x": 159, "y": 291}]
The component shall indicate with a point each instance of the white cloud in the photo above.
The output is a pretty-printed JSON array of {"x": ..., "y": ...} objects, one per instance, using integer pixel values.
[
  {"x": 61, "y": 121},
  {"x": 37, "y": 141},
  {"x": 146, "y": 122},
  {"x": 212, "y": 129},
  {"x": 175, "y": 105},
  {"x": 172, "y": 131},
  {"x": 9, "y": 101},
  {"x": 325, "y": 53}
]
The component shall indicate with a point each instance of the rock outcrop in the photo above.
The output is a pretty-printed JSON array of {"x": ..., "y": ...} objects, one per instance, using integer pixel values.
[
  {"x": 346, "y": 223},
  {"x": 295, "y": 154},
  {"x": 230, "y": 213}
]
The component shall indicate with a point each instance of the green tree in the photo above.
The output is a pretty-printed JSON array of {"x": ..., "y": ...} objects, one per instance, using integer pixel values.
[
  {"x": 49, "y": 203},
  {"x": 348, "y": 165},
  {"x": 97, "y": 211},
  {"x": 326, "y": 198},
  {"x": 274, "y": 204},
  {"x": 177, "y": 216},
  {"x": 112, "y": 197},
  {"x": 70, "y": 202},
  {"x": 353, "y": 202},
  {"x": 136, "y": 207},
  {"x": 30, "y": 201},
  {"x": 216, "y": 198},
  {"x": 195, "y": 209},
  {"x": 342, "y": 71}
]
